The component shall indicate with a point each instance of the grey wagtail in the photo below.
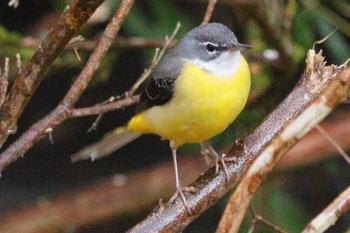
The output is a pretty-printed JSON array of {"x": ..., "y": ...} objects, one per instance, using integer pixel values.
[{"x": 196, "y": 91}]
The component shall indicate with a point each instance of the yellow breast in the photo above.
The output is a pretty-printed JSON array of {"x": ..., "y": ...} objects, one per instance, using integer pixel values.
[{"x": 202, "y": 106}]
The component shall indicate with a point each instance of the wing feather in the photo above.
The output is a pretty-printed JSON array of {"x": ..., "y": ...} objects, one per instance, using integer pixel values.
[{"x": 156, "y": 93}]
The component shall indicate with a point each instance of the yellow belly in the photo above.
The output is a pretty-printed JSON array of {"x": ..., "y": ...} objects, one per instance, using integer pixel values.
[{"x": 202, "y": 106}]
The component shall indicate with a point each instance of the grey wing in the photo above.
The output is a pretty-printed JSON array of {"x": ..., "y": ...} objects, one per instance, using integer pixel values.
[
  {"x": 157, "y": 92},
  {"x": 160, "y": 88}
]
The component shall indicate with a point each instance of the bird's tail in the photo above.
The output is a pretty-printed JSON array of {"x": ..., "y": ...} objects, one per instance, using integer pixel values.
[{"x": 108, "y": 144}]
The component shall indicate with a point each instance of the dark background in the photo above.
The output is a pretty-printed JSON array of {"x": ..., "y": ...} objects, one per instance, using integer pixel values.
[{"x": 46, "y": 170}]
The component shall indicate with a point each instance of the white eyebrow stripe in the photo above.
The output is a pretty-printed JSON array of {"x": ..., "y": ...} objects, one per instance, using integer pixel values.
[{"x": 206, "y": 43}]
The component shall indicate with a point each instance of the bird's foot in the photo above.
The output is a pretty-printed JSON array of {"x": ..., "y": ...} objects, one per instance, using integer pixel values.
[
  {"x": 221, "y": 160},
  {"x": 180, "y": 193}
]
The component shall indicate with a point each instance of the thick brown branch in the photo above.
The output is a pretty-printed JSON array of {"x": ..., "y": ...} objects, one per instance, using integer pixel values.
[
  {"x": 174, "y": 216},
  {"x": 30, "y": 77},
  {"x": 331, "y": 214},
  {"x": 64, "y": 109},
  {"x": 290, "y": 134}
]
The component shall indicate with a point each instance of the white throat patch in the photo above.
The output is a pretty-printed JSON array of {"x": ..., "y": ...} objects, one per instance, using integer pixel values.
[{"x": 224, "y": 65}]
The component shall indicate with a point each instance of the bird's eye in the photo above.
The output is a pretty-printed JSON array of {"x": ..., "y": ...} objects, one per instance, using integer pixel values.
[{"x": 210, "y": 47}]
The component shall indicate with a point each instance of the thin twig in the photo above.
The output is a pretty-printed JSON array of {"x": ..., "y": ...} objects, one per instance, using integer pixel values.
[
  {"x": 4, "y": 81},
  {"x": 258, "y": 218},
  {"x": 209, "y": 12},
  {"x": 49, "y": 131},
  {"x": 334, "y": 143},
  {"x": 75, "y": 49},
  {"x": 157, "y": 57},
  {"x": 31, "y": 75},
  {"x": 331, "y": 214},
  {"x": 98, "y": 109},
  {"x": 94, "y": 125},
  {"x": 64, "y": 109}
]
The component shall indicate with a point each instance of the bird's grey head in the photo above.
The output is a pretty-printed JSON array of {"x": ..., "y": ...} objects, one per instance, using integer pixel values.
[
  {"x": 213, "y": 47},
  {"x": 209, "y": 41}
]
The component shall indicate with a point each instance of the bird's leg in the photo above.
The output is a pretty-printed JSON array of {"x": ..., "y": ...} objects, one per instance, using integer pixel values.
[
  {"x": 179, "y": 189},
  {"x": 217, "y": 158},
  {"x": 208, "y": 156}
]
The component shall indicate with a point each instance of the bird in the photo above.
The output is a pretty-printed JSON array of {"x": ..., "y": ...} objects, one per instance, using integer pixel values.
[{"x": 197, "y": 90}]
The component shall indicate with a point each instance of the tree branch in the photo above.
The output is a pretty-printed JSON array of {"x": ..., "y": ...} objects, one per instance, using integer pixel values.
[
  {"x": 289, "y": 135},
  {"x": 99, "y": 109},
  {"x": 30, "y": 77},
  {"x": 120, "y": 42},
  {"x": 330, "y": 215},
  {"x": 317, "y": 93},
  {"x": 64, "y": 109}
]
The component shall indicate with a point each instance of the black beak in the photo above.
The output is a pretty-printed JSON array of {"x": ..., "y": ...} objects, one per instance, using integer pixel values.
[{"x": 236, "y": 46}]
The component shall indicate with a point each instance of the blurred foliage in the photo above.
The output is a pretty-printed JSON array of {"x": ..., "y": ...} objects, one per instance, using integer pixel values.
[
  {"x": 288, "y": 28},
  {"x": 10, "y": 46}
]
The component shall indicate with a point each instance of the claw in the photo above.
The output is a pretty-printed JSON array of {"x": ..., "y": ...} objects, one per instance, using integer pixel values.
[
  {"x": 218, "y": 159},
  {"x": 180, "y": 193}
]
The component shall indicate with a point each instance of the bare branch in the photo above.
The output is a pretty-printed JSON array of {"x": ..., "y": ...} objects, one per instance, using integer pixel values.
[
  {"x": 98, "y": 109},
  {"x": 331, "y": 214},
  {"x": 318, "y": 77},
  {"x": 120, "y": 42},
  {"x": 209, "y": 12},
  {"x": 64, "y": 109},
  {"x": 30, "y": 77}
]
